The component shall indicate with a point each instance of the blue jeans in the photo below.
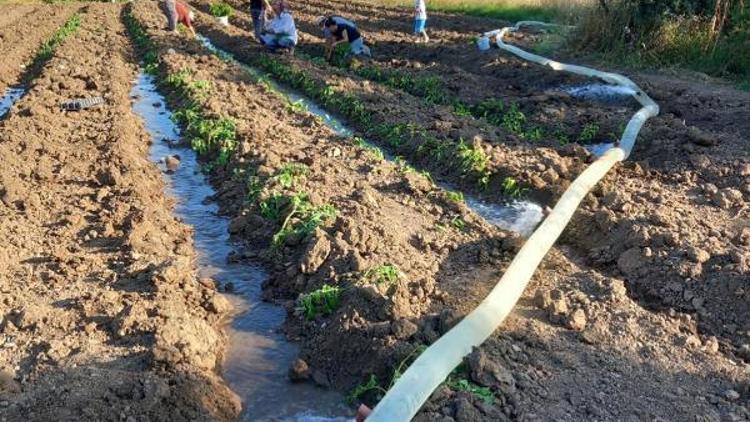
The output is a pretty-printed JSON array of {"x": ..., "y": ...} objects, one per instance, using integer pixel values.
[
  {"x": 419, "y": 25},
  {"x": 274, "y": 41},
  {"x": 259, "y": 21}
]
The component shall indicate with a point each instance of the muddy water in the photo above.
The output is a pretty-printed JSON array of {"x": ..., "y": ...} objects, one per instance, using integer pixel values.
[
  {"x": 518, "y": 216},
  {"x": 259, "y": 356},
  {"x": 9, "y": 97}
]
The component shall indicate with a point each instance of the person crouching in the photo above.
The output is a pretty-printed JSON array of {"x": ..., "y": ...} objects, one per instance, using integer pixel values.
[
  {"x": 280, "y": 32},
  {"x": 343, "y": 31}
]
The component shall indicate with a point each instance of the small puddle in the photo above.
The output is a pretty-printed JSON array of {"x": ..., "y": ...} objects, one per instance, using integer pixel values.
[
  {"x": 10, "y": 96},
  {"x": 259, "y": 356},
  {"x": 603, "y": 93},
  {"x": 518, "y": 216}
]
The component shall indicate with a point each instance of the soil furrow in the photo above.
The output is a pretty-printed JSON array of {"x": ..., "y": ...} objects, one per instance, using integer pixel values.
[
  {"x": 679, "y": 164},
  {"x": 432, "y": 137},
  {"x": 21, "y": 41},
  {"x": 581, "y": 348},
  {"x": 102, "y": 316}
]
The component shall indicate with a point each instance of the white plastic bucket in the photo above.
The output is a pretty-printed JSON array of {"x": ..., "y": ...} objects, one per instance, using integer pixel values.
[
  {"x": 224, "y": 20},
  {"x": 483, "y": 43}
]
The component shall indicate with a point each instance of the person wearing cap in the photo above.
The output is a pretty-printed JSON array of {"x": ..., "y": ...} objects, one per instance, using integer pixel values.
[
  {"x": 280, "y": 32},
  {"x": 343, "y": 31}
]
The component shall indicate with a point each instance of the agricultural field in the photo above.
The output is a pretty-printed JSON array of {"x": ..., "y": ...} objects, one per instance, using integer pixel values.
[{"x": 232, "y": 234}]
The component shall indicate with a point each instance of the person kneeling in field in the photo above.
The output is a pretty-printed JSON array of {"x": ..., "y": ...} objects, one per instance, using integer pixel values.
[
  {"x": 280, "y": 32},
  {"x": 343, "y": 31}
]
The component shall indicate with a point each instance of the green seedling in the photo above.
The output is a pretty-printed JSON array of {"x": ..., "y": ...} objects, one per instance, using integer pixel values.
[
  {"x": 48, "y": 48},
  {"x": 298, "y": 106},
  {"x": 589, "y": 133},
  {"x": 290, "y": 174},
  {"x": 360, "y": 390},
  {"x": 220, "y": 10},
  {"x": 372, "y": 383},
  {"x": 323, "y": 301},
  {"x": 458, "y": 223},
  {"x": 514, "y": 120},
  {"x": 484, "y": 393},
  {"x": 457, "y": 197},
  {"x": 254, "y": 187},
  {"x": 471, "y": 158},
  {"x": 374, "y": 151},
  {"x": 382, "y": 274},
  {"x": 510, "y": 187},
  {"x": 302, "y": 219},
  {"x": 272, "y": 207}
]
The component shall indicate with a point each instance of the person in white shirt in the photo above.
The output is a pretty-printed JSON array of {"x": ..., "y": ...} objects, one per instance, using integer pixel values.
[
  {"x": 280, "y": 32},
  {"x": 420, "y": 21}
]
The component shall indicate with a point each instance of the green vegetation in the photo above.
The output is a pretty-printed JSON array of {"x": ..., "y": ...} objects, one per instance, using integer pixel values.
[
  {"x": 510, "y": 187},
  {"x": 301, "y": 220},
  {"x": 710, "y": 37},
  {"x": 457, "y": 197},
  {"x": 381, "y": 274},
  {"x": 511, "y": 10},
  {"x": 360, "y": 390},
  {"x": 323, "y": 301},
  {"x": 48, "y": 48},
  {"x": 464, "y": 384},
  {"x": 588, "y": 133},
  {"x": 289, "y": 174},
  {"x": 458, "y": 223},
  {"x": 220, "y": 10},
  {"x": 374, "y": 151},
  {"x": 372, "y": 384},
  {"x": 208, "y": 135}
]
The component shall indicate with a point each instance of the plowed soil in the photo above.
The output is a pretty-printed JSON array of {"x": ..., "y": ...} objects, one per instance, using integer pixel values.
[
  {"x": 23, "y": 29},
  {"x": 641, "y": 312},
  {"x": 101, "y": 315}
]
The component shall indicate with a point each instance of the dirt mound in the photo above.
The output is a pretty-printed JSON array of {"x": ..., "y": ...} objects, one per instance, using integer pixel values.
[{"x": 101, "y": 316}]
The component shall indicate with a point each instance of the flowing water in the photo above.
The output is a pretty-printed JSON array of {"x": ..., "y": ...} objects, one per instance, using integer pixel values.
[
  {"x": 518, "y": 216},
  {"x": 9, "y": 97},
  {"x": 259, "y": 356},
  {"x": 603, "y": 93}
]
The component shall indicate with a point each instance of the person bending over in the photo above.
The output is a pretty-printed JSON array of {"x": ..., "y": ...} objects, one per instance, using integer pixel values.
[
  {"x": 280, "y": 32},
  {"x": 343, "y": 31},
  {"x": 185, "y": 16}
]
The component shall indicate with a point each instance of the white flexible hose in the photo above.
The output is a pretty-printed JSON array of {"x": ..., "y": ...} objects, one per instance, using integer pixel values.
[{"x": 432, "y": 367}]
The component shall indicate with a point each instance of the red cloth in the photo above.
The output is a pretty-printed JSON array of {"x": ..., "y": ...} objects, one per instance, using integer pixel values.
[{"x": 183, "y": 14}]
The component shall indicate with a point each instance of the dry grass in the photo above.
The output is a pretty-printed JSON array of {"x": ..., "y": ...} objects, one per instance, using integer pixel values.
[{"x": 512, "y": 10}]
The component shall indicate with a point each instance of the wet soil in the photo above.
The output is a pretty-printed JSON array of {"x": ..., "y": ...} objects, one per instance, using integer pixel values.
[
  {"x": 586, "y": 352},
  {"x": 102, "y": 316},
  {"x": 640, "y": 312}
]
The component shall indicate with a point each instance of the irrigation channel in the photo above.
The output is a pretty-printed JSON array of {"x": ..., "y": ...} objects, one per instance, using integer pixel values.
[
  {"x": 259, "y": 356},
  {"x": 10, "y": 96},
  {"x": 517, "y": 215}
]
